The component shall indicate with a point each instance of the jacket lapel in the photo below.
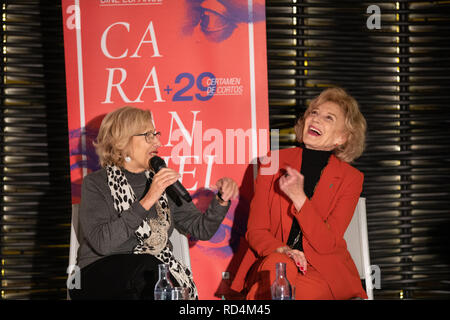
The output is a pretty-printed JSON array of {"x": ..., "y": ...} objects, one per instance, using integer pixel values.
[{"x": 327, "y": 187}]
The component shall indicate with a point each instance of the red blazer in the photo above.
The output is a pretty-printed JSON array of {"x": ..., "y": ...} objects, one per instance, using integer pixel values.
[{"x": 323, "y": 220}]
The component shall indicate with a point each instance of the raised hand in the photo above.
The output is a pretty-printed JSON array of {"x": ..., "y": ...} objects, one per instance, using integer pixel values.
[
  {"x": 291, "y": 183},
  {"x": 161, "y": 180},
  {"x": 228, "y": 189}
]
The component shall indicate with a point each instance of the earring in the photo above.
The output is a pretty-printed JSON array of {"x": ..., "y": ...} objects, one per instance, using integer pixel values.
[{"x": 127, "y": 159}]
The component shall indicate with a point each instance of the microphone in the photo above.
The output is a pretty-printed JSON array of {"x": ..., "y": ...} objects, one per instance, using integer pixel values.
[{"x": 176, "y": 189}]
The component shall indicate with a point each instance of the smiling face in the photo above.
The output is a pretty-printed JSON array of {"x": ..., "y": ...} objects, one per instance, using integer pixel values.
[
  {"x": 324, "y": 127},
  {"x": 140, "y": 151}
]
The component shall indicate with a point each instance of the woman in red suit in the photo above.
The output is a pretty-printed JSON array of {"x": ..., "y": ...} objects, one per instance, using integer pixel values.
[{"x": 299, "y": 214}]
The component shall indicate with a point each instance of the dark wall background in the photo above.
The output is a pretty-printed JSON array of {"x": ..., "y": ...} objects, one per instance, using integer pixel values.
[{"x": 400, "y": 74}]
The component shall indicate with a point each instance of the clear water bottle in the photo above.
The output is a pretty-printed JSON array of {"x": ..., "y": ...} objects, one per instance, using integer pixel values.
[
  {"x": 281, "y": 288},
  {"x": 163, "y": 288}
]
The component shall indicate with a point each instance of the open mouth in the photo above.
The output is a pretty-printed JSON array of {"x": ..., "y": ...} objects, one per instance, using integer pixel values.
[{"x": 314, "y": 131}]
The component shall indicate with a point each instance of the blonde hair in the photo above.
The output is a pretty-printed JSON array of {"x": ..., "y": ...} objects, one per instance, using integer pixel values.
[
  {"x": 116, "y": 131},
  {"x": 355, "y": 124}
]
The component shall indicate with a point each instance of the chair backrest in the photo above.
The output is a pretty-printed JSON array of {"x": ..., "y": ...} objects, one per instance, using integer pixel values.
[
  {"x": 358, "y": 245},
  {"x": 179, "y": 242},
  {"x": 181, "y": 248}
]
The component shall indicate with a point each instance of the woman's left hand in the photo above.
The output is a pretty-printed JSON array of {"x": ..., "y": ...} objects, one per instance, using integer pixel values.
[
  {"x": 228, "y": 189},
  {"x": 299, "y": 259},
  {"x": 291, "y": 183},
  {"x": 296, "y": 255}
]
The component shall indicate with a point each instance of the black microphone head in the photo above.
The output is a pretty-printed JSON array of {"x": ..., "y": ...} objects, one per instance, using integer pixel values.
[{"x": 157, "y": 163}]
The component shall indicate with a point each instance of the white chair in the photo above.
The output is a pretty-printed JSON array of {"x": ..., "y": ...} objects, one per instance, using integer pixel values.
[
  {"x": 358, "y": 245},
  {"x": 181, "y": 248},
  {"x": 74, "y": 243},
  {"x": 179, "y": 242}
]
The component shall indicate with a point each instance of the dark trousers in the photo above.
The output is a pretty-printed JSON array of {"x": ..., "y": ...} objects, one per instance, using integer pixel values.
[{"x": 122, "y": 276}]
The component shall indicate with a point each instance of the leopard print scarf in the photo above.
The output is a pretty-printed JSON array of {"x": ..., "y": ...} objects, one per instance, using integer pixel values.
[{"x": 152, "y": 234}]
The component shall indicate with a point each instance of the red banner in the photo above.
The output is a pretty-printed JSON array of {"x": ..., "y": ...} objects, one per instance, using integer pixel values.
[{"x": 200, "y": 67}]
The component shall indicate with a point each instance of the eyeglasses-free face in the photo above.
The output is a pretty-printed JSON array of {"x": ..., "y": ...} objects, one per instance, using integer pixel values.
[
  {"x": 324, "y": 127},
  {"x": 150, "y": 136}
]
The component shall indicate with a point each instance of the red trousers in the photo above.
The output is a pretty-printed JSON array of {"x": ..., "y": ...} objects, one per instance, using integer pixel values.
[{"x": 308, "y": 286}]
